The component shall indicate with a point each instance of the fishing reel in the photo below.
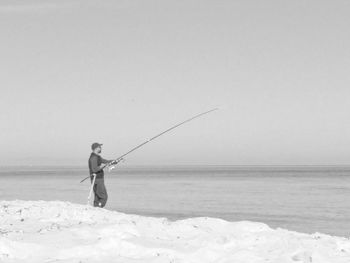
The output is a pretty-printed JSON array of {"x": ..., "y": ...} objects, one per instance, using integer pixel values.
[{"x": 113, "y": 164}]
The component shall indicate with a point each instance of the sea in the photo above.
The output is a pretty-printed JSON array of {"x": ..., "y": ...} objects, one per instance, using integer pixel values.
[{"x": 306, "y": 199}]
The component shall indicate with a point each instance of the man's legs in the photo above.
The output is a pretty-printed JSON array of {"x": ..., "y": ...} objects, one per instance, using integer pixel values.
[{"x": 100, "y": 193}]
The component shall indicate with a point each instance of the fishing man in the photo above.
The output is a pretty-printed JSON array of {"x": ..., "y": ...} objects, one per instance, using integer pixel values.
[{"x": 96, "y": 166}]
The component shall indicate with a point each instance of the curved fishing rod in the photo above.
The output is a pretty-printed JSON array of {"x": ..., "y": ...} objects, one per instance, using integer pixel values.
[{"x": 158, "y": 135}]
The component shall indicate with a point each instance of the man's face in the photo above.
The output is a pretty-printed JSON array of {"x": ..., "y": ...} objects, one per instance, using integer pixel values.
[{"x": 98, "y": 149}]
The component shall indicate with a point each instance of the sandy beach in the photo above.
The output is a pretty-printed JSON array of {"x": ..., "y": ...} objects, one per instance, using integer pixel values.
[{"x": 40, "y": 231}]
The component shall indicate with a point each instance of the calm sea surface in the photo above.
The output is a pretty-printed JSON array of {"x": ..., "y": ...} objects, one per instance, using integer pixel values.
[{"x": 306, "y": 199}]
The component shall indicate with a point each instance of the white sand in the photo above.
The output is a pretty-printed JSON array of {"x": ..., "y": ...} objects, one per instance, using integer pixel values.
[{"x": 64, "y": 232}]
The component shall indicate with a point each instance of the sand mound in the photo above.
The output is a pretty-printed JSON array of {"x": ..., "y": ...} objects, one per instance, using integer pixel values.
[{"x": 64, "y": 232}]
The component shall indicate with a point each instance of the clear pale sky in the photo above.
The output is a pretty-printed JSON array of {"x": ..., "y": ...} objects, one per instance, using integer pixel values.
[{"x": 119, "y": 72}]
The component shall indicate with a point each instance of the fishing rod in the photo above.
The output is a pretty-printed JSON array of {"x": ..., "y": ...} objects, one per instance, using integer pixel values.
[{"x": 116, "y": 161}]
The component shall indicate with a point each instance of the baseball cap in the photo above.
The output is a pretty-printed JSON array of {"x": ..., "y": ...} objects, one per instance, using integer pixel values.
[{"x": 95, "y": 145}]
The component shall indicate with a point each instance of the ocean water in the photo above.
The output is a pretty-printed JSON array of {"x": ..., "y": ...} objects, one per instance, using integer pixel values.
[{"x": 304, "y": 199}]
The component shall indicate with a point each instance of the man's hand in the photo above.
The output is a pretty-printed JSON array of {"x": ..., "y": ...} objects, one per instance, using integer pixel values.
[
  {"x": 112, "y": 162},
  {"x": 111, "y": 165},
  {"x": 115, "y": 162}
]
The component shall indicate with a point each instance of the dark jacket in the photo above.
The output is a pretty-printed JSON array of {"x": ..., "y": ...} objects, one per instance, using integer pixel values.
[{"x": 95, "y": 161}]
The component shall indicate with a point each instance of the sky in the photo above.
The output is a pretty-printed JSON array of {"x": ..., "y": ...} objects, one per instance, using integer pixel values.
[{"x": 119, "y": 72}]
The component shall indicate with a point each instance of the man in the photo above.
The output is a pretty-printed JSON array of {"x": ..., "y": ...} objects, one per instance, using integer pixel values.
[{"x": 96, "y": 166}]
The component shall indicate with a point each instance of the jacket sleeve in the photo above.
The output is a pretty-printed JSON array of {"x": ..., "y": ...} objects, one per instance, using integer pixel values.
[
  {"x": 106, "y": 161},
  {"x": 94, "y": 165}
]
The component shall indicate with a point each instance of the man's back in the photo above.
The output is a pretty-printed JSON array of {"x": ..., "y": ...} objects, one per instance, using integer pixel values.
[{"x": 94, "y": 165}]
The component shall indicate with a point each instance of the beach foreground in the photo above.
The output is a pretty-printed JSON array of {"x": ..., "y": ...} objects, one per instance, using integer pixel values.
[{"x": 38, "y": 231}]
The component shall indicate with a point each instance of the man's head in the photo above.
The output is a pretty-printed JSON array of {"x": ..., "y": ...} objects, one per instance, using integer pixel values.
[{"x": 96, "y": 147}]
